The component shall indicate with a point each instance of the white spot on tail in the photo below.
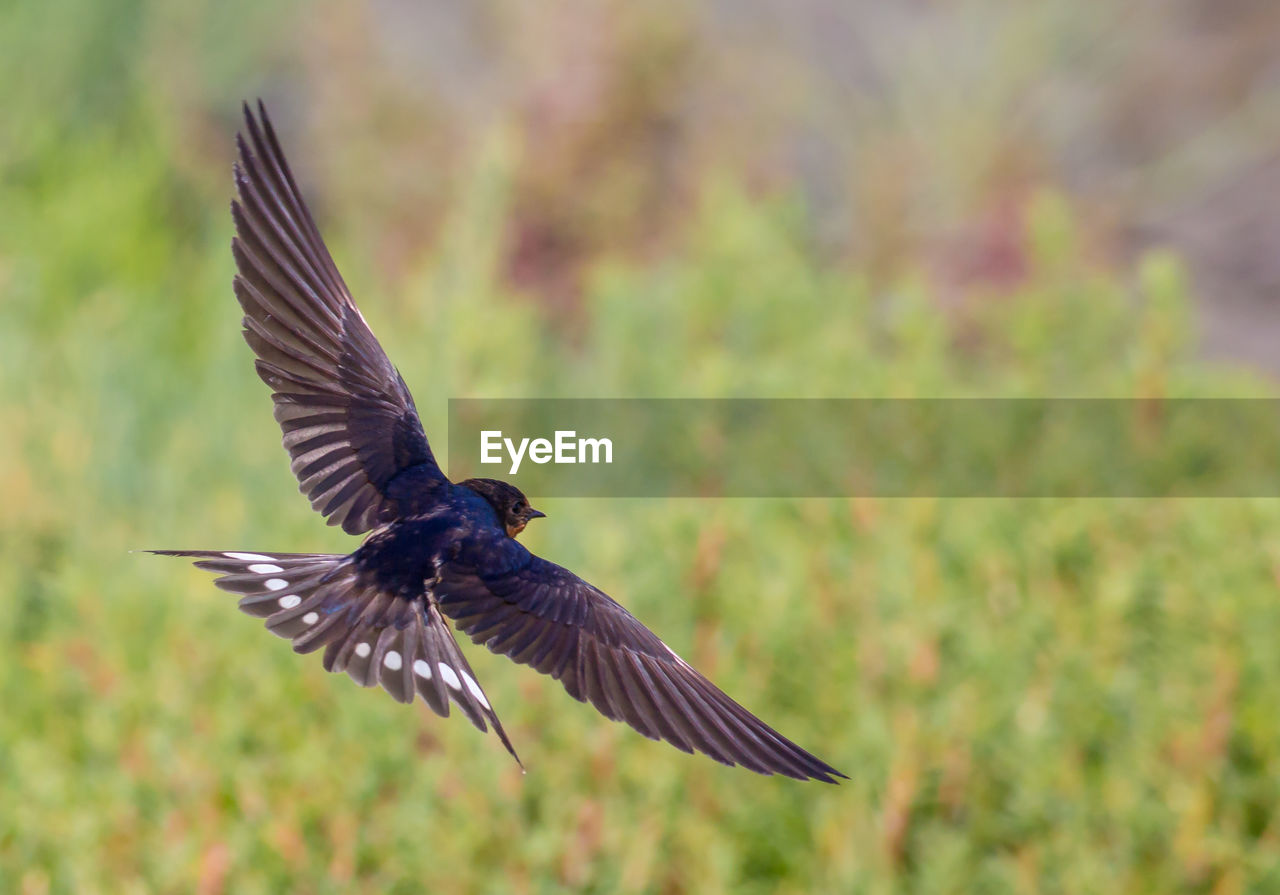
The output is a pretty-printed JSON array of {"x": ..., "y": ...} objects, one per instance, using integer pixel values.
[
  {"x": 275, "y": 584},
  {"x": 392, "y": 660},
  {"x": 311, "y": 618},
  {"x": 475, "y": 689},
  {"x": 449, "y": 677},
  {"x": 422, "y": 669},
  {"x": 288, "y": 601},
  {"x": 363, "y": 650},
  {"x": 265, "y": 568},
  {"x": 249, "y": 557}
]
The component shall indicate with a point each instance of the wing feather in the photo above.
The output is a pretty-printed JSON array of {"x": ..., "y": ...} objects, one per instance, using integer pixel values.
[
  {"x": 540, "y": 614},
  {"x": 329, "y": 377}
]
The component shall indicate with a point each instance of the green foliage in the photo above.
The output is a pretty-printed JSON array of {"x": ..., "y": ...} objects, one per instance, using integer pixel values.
[{"x": 1028, "y": 695}]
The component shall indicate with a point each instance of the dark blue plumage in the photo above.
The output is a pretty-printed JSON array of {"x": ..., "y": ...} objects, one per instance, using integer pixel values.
[{"x": 436, "y": 548}]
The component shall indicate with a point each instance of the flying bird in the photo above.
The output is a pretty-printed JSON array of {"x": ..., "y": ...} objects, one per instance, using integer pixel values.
[{"x": 437, "y": 549}]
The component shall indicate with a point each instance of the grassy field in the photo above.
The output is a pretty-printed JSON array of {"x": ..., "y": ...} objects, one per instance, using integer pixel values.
[{"x": 1028, "y": 696}]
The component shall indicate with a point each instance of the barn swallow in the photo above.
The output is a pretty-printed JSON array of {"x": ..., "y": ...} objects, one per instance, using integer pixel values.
[{"x": 436, "y": 548}]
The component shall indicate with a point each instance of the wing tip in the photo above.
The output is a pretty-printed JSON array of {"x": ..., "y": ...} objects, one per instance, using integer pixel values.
[
  {"x": 251, "y": 121},
  {"x": 828, "y": 775}
]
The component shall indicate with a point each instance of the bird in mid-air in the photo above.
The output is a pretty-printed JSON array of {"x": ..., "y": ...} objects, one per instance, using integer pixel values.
[{"x": 437, "y": 548}]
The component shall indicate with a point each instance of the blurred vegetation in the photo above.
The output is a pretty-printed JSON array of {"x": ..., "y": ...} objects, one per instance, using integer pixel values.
[{"x": 1036, "y": 695}]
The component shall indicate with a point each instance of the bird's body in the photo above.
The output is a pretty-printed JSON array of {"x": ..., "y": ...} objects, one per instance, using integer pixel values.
[
  {"x": 406, "y": 556},
  {"x": 435, "y": 548}
]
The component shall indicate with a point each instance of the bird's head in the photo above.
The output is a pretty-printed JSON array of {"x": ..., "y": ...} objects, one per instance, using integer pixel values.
[{"x": 507, "y": 501}]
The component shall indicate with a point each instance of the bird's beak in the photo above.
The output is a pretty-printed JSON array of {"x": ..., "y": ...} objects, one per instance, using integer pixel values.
[{"x": 536, "y": 514}]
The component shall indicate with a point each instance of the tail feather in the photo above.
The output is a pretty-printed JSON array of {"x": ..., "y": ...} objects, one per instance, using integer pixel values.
[{"x": 319, "y": 599}]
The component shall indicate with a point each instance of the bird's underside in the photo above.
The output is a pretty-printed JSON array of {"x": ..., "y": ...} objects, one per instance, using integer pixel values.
[{"x": 438, "y": 548}]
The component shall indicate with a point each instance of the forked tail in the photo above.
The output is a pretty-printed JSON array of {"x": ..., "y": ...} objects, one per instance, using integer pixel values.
[{"x": 319, "y": 599}]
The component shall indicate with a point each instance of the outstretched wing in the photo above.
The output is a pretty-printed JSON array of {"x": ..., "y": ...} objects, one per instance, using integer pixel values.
[
  {"x": 349, "y": 422},
  {"x": 540, "y": 614},
  {"x": 316, "y": 599}
]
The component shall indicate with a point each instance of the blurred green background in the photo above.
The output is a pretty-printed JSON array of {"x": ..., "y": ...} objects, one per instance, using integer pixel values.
[{"x": 609, "y": 199}]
